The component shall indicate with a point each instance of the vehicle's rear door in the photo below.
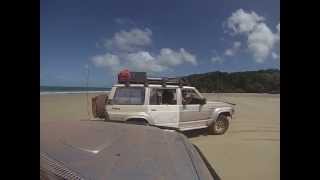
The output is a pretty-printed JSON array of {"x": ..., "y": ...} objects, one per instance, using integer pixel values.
[
  {"x": 163, "y": 107},
  {"x": 126, "y": 101}
]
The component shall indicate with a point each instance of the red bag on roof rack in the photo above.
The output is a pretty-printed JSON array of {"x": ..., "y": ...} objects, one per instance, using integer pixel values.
[{"x": 125, "y": 76}]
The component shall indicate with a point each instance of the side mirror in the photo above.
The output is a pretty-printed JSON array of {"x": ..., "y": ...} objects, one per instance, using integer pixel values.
[{"x": 203, "y": 101}]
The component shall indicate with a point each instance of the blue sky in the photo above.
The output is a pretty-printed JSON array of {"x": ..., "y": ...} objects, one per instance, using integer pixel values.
[{"x": 167, "y": 37}]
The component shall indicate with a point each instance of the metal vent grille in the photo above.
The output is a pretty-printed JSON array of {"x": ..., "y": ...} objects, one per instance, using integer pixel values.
[{"x": 49, "y": 165}]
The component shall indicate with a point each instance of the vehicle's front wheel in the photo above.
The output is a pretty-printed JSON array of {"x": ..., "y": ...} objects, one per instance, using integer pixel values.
[{"x": 220, "y": 126}]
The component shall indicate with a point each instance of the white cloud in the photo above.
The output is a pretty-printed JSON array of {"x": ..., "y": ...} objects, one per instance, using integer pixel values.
[
  {"x": 143, "y": 61},
  {"x": 188, "y": 57},
  {"x": 243, "y": 22},
  {"x": 260, "y": 39},
  {"x": 216, "y": 59},
  {"x": 237, "y": 44},
  {"x": 123, "y": 21},
  {"x": 168, "y": 57},
  {"x": 275, "y": 55},
  {"x": 107, "y": 60},
  {"x": 278, "y": 33},
  {"x": 232, "y": 51},
  {"x": 127, "y": 51},
  {"x": 229, "y": 52},
  {"x": 130, "y": 41}
]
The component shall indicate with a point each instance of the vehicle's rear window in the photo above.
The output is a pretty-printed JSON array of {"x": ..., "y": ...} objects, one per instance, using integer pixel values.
[{"x": 129, "y": 96}]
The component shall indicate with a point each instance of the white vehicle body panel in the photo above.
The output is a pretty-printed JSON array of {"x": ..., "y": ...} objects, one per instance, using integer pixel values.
[
  {"x": 165, "y": 115},
  {"x": 179, "y": 116}
]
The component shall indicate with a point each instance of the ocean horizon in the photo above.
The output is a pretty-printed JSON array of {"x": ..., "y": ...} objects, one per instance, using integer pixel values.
[{"x": 70, "y": 89}]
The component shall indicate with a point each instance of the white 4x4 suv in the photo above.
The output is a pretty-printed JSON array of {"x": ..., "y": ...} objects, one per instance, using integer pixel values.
[{"x": 171, "y": 106}]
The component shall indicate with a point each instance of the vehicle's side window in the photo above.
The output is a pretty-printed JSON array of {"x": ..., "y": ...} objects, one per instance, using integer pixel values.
[
  {"x": 129, "y": 96},
  {"x": 189, "y": 96},
  {"x": 159, "y": 96}
]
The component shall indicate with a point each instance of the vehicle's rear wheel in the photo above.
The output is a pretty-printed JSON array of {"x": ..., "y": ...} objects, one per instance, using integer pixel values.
[{"x": 220, "y": 126}]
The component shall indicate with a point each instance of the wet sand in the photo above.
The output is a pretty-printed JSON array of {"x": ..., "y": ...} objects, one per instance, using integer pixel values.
[{"x": 249, "y": 150}]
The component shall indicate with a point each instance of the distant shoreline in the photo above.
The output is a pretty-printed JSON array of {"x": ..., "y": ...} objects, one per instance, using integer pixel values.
[
  {"x": 70, "y": 92},
  {"x": 47, "y": 90}
]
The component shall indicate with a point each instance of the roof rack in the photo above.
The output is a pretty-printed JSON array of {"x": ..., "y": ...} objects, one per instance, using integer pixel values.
[
  {"x": 126, "y": 77},
  {"x": 167, "y": 81}
]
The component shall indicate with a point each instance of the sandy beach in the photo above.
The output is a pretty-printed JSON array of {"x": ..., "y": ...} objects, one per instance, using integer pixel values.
[{"x": 249, "y": 150}]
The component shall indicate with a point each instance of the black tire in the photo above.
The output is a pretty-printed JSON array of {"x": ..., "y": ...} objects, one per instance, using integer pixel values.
[{"x": 220, "y": 126}]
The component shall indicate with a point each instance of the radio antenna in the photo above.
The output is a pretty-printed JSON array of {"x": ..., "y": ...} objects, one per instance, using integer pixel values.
[
  {"x": 218, "y": 86},
  {"x": 87, "y": 93}
]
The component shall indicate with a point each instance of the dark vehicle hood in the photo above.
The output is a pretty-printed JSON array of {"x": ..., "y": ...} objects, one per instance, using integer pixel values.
[{"x": 104, "y": 150}]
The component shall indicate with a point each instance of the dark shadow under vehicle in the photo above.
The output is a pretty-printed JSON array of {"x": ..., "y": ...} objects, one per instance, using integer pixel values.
[
  {"x": 100, "y": 150},
  {"x": 196, "y": 133}
]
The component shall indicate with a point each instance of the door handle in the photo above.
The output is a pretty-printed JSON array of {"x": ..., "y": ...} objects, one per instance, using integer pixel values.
[
  {"x": 116, "y": 108},
  {"x": 153, "y": 110}
]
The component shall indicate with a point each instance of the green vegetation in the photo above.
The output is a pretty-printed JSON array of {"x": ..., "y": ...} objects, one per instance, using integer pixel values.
[{"x": 261, "y": 81}]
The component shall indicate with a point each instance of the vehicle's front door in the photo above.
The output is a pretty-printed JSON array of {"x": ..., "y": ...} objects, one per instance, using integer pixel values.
[
  {"x": 163, "y": 107},
  {"x": 191, "y": 109}
]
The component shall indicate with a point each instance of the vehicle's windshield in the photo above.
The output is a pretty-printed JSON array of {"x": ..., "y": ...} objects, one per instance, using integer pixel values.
[{"x": 129, "y": 96}]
